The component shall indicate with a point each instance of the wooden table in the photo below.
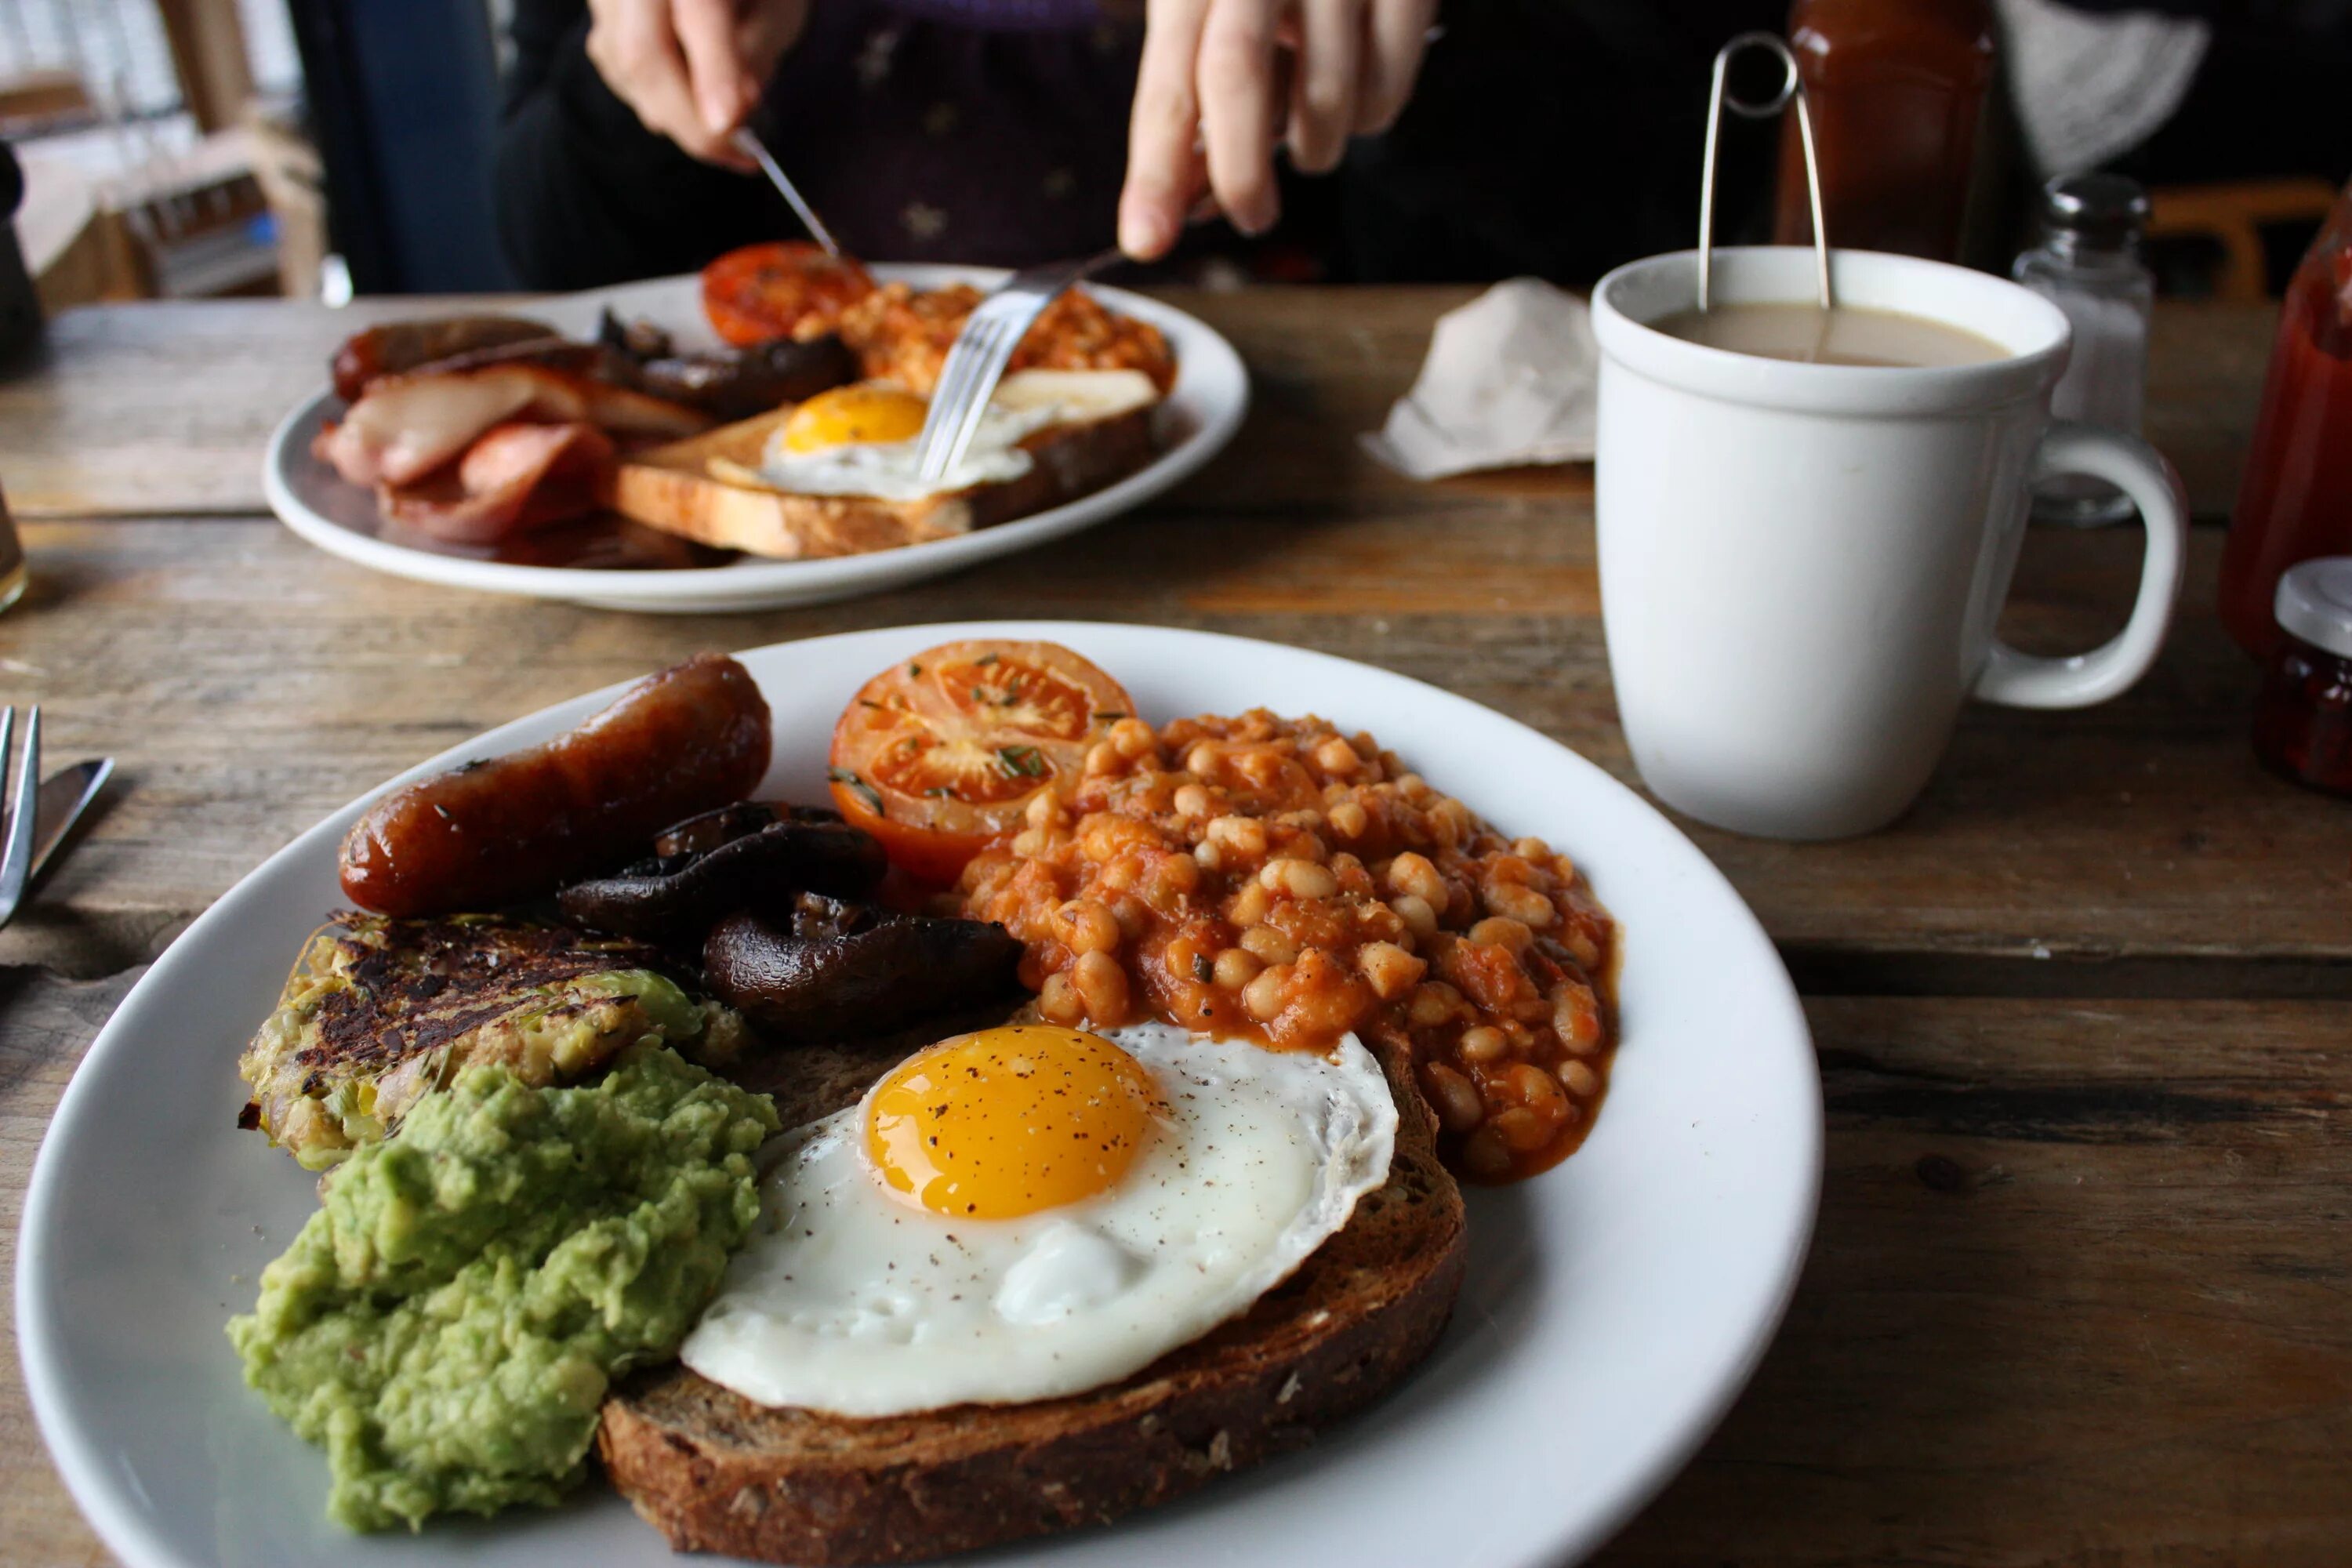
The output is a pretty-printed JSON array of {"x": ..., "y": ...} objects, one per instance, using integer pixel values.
[{"x": 2082, "y": 1288}]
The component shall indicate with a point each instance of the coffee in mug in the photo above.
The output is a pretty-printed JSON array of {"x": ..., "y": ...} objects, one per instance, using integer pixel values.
[{"x": 1843, "y": 334}]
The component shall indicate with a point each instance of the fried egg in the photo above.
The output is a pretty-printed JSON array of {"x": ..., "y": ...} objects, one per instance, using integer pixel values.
[
  {"x": 1031, "y": 1212},
  {"x": 860, "y": 439}
]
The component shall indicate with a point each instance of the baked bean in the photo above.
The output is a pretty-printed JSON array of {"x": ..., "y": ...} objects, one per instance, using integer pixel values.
[
  {"x": 1201, "y": 760},
  {"x": 1244, "y": 835},
  {"x": 1520, "y": 903},
  {"x": 1414, "y": 874},
  {"x": 1389, "y": 970},
  {"x": 1299, "y": 879},
  {"x": 1485, "y": 1156},
  {"x": 1336, "y": 758},
  {"x": 1503, "y": 931},
  {"x": 1531, "y": 849},
  {"x": 1433, "y": 1004},
  {"x": 1133, "y": 739},
  {"x": 1174, "y": 876},
  {"x": 1207, "y": 855},
  {"x": 1484, "y": 1044},
  {"x": 1582, "y": 947},
  {"x": 1250, "y": 905},
  {"x": 1576, "y": 1014},
  {"x": 1415, "y": 912},
  {"x": 1262, "y": 997},
  {"x": 1043, "y": 810},
  {"x": 1538, "y": 1090},
  {"x": 1414, "y": 788},
  {"x": 1102, "y": 758},
  {"x": 1082, "y": 925},
  {"x": 1029, "y": 841},
  {"x": 1453, "y": 1097},
  {"x": 1059, "y": 1000},
  {"x": 1521, "y": 1129},
  {"x": 1101, "y": 986},
  {"x": 1349, "y": 820},
  {"x": 1236, "y": 967},
  {"x": 1580, "y": 1080},
  {"x": 1269, "y": 945},
  {"x": 1191, "y": 800}
]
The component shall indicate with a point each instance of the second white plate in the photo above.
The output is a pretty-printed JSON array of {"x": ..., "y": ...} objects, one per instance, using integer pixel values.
[{"x": 1199, "y": 416}]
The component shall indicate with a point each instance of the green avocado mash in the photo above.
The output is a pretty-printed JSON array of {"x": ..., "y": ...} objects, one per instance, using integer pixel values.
[{"x": 447, "y": 1321}]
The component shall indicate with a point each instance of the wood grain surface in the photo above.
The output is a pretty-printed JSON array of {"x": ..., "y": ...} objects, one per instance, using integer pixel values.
[{"x": 2080, "y": 1293}]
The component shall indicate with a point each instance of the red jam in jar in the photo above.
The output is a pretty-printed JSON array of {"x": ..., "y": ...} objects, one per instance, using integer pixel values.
[
  {"x": 2303, "y": 719},
  {"x": 2297, "y": 501}
]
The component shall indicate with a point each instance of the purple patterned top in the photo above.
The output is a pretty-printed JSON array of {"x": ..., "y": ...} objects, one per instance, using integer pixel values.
[{"x": 973, "y": 130}]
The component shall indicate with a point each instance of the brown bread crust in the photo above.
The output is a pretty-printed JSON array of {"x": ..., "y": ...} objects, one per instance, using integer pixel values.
[{"x": 715, "y": 1472}]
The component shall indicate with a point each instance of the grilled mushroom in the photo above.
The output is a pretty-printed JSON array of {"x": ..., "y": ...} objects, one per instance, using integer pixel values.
[
  {"x": 871, "y": 978},
  {"x": 748, "y": 857}
]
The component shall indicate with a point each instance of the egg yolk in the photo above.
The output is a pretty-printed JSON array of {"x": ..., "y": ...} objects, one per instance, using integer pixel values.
[
  {"x": 851, "y": 416},
  {"x": 1010, "y": 1120}
]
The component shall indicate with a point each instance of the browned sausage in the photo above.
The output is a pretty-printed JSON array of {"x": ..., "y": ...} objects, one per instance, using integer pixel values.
[{"x": 492, "y": 832}]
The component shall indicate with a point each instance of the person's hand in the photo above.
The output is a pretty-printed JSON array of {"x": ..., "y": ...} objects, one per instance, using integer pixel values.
[
  {"x": 692, "y": 69},
  {"x": 1221, "y": 80}
]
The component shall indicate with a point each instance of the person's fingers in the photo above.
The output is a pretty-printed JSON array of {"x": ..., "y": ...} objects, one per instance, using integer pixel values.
[
  {"x": 1396, "y": 32},
  {"x": 1239, "y": 106},
  {"x": 723, "y": 91},
  {"x": 1161, "y": 157},
  {"x": 632, "y": 47},
  {"x": 765, "y": 30},
  {"x": 1323, "y": 98}
]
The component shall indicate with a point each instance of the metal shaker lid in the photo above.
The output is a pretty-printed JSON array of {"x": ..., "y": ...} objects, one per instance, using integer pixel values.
[{"x": 2099, "y": 209}]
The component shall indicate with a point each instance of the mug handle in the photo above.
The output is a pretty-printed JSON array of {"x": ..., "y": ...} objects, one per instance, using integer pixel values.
[{"x": 2018, "y": 680}]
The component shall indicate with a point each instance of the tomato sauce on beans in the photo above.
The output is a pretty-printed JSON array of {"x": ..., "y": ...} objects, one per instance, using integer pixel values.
[{"x": 1274, "y": 880}]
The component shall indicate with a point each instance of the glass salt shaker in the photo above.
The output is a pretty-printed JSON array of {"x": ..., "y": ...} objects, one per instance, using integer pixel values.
[{"x": 2088, "y": 265}]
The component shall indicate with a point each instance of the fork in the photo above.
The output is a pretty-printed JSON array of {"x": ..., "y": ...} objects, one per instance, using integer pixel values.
[
  {"x": 24, "y": 809},
  {"x": 982, "y": 349}
]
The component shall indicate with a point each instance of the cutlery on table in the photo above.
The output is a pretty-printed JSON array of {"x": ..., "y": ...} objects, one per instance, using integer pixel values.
[{"x": 40, "y": 814}]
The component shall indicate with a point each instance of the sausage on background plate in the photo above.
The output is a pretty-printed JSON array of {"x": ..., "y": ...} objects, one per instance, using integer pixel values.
[{"x": 492, "y": 832}]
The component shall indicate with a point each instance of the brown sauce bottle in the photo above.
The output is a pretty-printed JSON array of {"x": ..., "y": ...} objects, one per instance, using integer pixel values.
[{"x": 1897, "y": 88}]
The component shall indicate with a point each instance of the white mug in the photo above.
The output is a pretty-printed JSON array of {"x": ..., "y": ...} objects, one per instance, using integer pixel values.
[{"x": 1802, "y": 564}]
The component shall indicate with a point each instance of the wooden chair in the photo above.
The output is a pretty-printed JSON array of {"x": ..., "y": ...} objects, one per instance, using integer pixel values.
[{"x": 2233, "y": 214}]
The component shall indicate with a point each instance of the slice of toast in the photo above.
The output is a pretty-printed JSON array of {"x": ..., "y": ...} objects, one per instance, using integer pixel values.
[
  {"x": 671, "y": 487},
  {"x": 715, "y": 1472}
]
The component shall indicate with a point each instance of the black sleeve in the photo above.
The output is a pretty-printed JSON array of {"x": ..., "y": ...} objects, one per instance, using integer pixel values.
[{"x": 585, "y": 194}]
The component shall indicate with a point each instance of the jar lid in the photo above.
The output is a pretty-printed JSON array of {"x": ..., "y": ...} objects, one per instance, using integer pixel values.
[
  {"x": 2102, "y": 209},
  {"x": 2315, "y": 603}
]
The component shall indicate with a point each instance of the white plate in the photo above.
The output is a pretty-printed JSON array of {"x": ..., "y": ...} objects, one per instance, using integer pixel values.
[
  {"x": 1614, "y": 1306},
  {"x": 1200, "y": 416}
]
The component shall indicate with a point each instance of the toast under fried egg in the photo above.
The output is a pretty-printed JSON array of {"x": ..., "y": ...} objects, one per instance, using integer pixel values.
[
  {"x": 834, "y": 475},
  {"x": 716, "y": 1472}
]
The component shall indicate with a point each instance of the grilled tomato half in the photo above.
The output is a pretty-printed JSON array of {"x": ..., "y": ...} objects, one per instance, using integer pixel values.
[
  {"x": 787, "y": 289},
  {"x": 941, "y": 756}
]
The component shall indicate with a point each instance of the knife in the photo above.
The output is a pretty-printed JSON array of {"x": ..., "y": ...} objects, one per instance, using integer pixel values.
[
  {"x": 64, "y": 796},
  {"x": 748, "y": 140}
]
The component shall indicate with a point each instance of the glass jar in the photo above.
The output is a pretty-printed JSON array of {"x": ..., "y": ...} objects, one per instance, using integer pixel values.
[
  {"x": 1895, "y": 89},
  {"x": 2088, "y": 266},
  {"x": 2297, "y": 501},
  {"x": 2303, "y": 719}
]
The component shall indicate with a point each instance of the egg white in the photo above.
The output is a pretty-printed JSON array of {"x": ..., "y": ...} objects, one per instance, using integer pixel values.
[{"x": 851, "y": 1300}]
